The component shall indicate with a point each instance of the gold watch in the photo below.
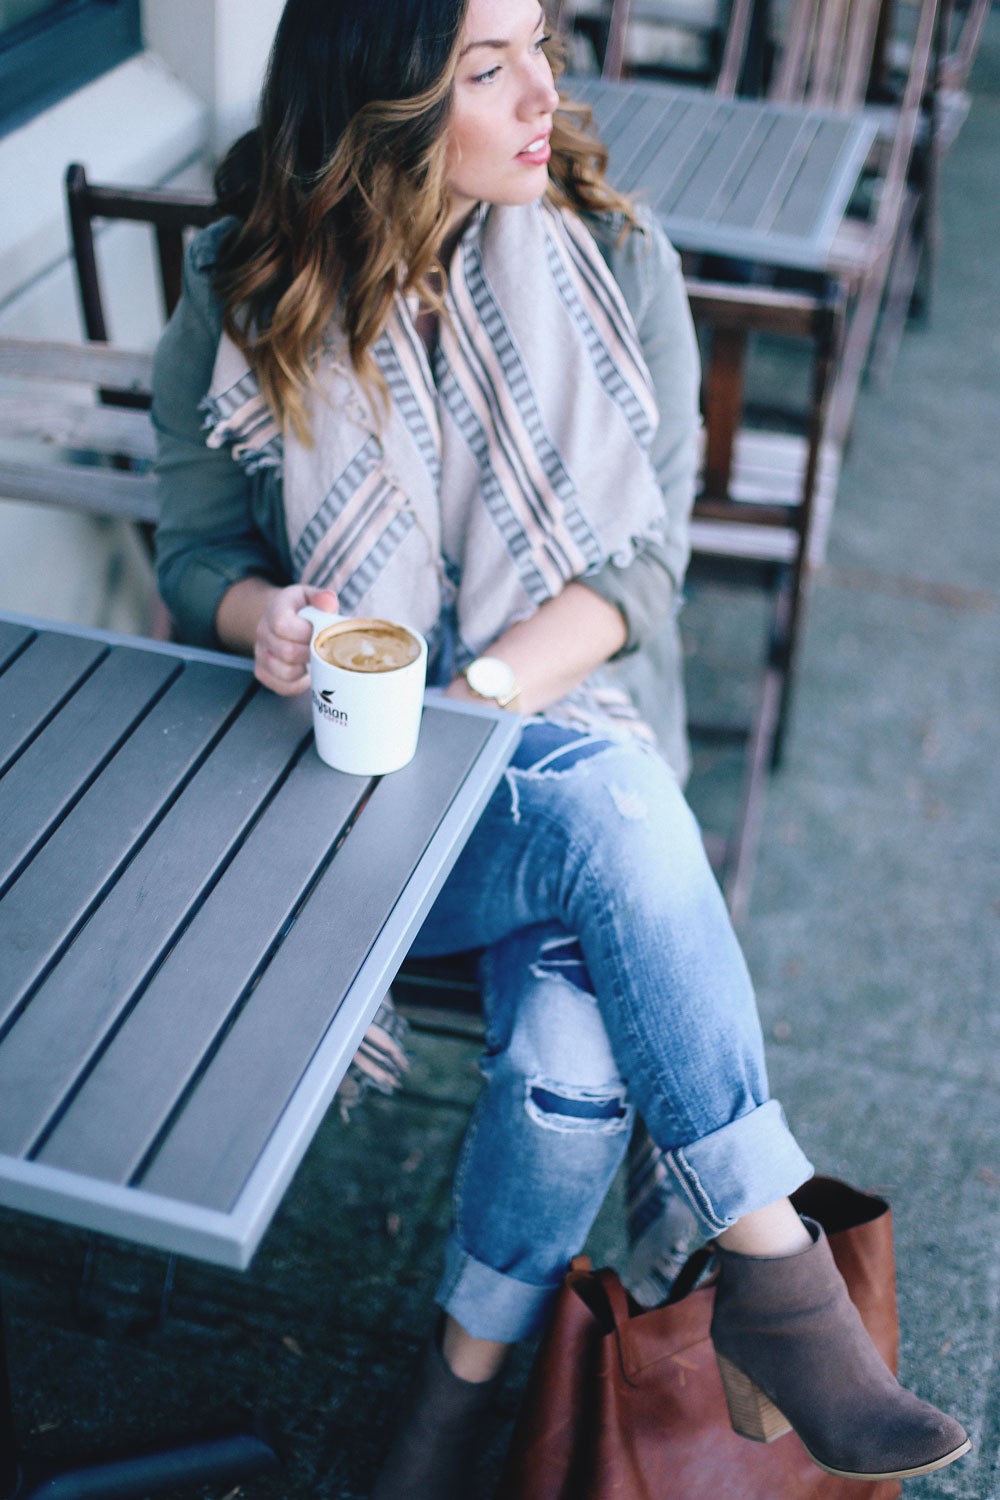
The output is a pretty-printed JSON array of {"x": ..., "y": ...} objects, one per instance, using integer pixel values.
[{"x": 494, "y": 680}]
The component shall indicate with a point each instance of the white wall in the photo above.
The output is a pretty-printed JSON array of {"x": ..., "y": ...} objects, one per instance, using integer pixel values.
[{"x": 219, "y": 48}]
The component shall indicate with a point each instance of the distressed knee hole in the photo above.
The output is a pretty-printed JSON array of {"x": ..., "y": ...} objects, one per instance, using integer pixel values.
[
  {"x": 562, "y": 958},
  {"x": 558, "y": 1107},
  {"x": 548, "y": 754}
]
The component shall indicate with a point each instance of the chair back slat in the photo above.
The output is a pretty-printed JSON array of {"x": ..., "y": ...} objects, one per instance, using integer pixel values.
[
  {"x": 170, "y": 249},
  {"x": 828, "y": 51},
  {"x": 960, "y": 50},
  {"x": 619, "y": 14},
  {"x": 169, "y": 213},
  {"x": 797, "y": 43},
  {"x": 79, "y": 364},
  {"x": 862, "y": 43},
  {"x": 908, "y": 126},
  {"x": 614, "y": 52},
  {"x": 84, "y": 257},
  {"x": 734, "y": 50}
]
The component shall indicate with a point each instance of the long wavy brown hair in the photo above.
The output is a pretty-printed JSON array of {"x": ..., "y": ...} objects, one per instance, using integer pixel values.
[{"x": 340, "y": 194}]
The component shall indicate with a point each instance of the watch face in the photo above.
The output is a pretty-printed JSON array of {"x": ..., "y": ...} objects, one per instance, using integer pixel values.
[{"x": 490, "y": 677}]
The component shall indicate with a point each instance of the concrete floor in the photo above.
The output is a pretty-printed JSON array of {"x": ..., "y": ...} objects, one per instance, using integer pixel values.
[{"x": 874, "y": 936}]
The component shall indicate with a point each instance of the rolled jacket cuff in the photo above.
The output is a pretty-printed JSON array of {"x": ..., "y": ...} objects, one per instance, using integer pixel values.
[
  {"x": 491, "y": 1304},
  {"x": 749, "y": 1163}
]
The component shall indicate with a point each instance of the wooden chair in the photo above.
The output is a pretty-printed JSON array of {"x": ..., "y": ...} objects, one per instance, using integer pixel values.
[
  {"x": 170, "y": 215},
  {"x": 834, "y": 53},
  {"x": 74, "y": 424},
  {"x": 760, "y": 518}
]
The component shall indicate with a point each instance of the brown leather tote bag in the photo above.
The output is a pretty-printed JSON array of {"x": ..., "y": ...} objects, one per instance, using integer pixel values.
[{"x": 625, "y": 1403}]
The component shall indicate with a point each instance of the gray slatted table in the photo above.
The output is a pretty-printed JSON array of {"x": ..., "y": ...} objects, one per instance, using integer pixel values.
[
  {"x": 197, "y": 922},
  {"x": 742, "y": 177}
]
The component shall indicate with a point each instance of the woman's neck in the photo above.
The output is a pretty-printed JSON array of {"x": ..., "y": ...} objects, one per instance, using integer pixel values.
[
  {"x": 457, "y": 221},
  {"x": 428, "y": 319}
]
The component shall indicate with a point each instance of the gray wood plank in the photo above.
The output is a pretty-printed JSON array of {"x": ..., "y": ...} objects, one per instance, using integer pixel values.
[
  {"x": 84, "y": 364},
  {"x": 581, "y": 88},
  {"x": 13, "y": 638},
  {"x": 102, "y": 492},
  {"x": 649, "y": 119},
  {"x": 766, "y": 182},
  {"x": 54, "y": 895},
  {"x": 652, "y": 130},
  {"x": 669, "y": 157},
  {"x": 702, "y": 163},
  {"x": 72, "y": 1014},
  {"x": 52, "y": 772},
  {"x": 188, "y": 1003},
  {"x": 733, "y": 148},
  {"x": 804, "y": 208},
  {"x": 35, "y": 686},
  {"x": 612, "y": 109},
  {"x": 225, "y": 1124},
  {"x": 74, "y": 424}
]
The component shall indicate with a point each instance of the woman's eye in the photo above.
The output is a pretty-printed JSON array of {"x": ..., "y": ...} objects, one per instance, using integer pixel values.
[
  {"x": 541, "y": 41},
  {"x": 488, "y": 76}
]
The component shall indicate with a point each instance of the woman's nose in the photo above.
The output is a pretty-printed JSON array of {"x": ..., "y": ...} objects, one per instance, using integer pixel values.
[{"x": 540, "y": 96}]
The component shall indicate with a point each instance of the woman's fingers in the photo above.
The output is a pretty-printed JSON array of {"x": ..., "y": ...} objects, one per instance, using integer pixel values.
[
  {"x": 281, "y": 650},
  {"x": 285, "y": 677}
]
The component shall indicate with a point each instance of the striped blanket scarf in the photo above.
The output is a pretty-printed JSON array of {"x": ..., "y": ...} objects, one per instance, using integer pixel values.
[{"x": 513, "y": 459}]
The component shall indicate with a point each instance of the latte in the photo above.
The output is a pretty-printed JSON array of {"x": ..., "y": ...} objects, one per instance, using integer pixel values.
[{"x": 368, "y": 646}]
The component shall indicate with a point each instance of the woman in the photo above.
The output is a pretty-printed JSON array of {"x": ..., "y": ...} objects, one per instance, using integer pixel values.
[{"x": 449, "y": 378}]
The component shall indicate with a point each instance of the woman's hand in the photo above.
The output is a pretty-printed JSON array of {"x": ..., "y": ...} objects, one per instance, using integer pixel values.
[{"x": 258, "y": 616}]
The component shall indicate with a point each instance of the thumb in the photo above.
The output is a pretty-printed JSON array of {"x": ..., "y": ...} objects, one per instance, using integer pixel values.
[{"x": 322, "y": 598}]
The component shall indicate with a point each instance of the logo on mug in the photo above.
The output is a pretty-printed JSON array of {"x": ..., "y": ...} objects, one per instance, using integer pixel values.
[{"x": 323, "y": 706}]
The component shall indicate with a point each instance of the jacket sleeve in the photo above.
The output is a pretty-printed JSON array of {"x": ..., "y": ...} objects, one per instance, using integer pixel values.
[
  {"x": 648, "y": 271},
  {"x": 207, "y": 537}
]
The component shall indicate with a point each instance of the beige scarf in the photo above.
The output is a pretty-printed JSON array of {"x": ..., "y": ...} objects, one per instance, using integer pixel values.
[{"x": 514, "y": 460}]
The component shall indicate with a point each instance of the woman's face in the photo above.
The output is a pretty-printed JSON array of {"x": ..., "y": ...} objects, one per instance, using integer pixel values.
[{"x": 502, "y": 106}]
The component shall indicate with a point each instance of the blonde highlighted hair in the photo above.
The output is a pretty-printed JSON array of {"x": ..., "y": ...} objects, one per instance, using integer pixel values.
[{"x": 340, "y": 195}]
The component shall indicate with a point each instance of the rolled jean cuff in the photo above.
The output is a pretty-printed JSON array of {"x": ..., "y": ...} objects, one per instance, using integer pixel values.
[
  {"x": 491, "y": 1304},
  {"x": 753, "y": 1161}
]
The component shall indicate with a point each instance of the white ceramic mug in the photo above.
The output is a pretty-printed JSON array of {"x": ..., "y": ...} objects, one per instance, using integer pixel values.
[{"x": 366, "y": 721}]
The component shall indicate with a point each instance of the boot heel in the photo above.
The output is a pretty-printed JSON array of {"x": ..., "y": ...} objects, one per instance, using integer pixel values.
[{"x": 751, "y": 1413}]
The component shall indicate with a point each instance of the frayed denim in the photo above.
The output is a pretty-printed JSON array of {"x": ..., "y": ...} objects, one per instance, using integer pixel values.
[{"x": 611, "y": 981}]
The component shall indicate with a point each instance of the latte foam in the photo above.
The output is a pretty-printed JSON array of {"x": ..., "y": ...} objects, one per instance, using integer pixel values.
[{"x": 368, "y": 646}]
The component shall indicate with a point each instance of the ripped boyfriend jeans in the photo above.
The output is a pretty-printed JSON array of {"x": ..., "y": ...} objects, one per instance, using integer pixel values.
[{"x": 611, "y": 981}]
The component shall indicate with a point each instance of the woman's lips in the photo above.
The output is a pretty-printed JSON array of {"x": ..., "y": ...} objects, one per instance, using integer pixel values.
[{"x": 537, "y": 152}]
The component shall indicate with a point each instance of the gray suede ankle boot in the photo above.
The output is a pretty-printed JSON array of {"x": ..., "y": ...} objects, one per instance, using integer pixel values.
[
  {"x": 794, "y": 1353},
  {"x": 436, "y": 1444}
]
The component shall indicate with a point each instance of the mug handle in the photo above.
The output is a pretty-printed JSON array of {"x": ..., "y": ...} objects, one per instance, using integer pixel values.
[{"x": 319, "y": 618}]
